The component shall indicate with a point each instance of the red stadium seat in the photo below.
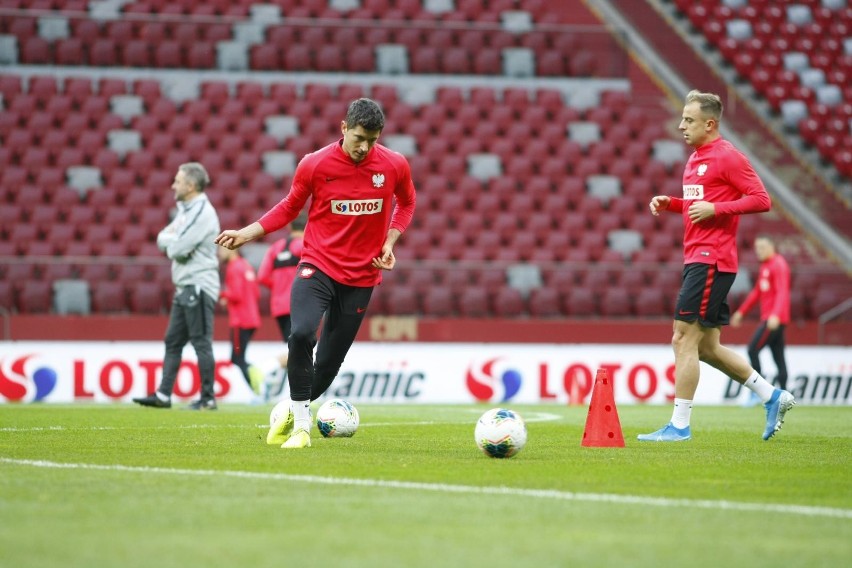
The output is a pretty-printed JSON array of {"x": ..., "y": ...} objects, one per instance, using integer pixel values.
[
  {"x": 616, "y": 302},
  {"x": 401, "y": 300},
  {"x": 474, "y": 302},
  {"x": 508, "y": 302},
  {"x": 265, "y": 57},
  {"x": 145, "y": 297},
  {"x": 651, "y": 302},
  {"x": 201, "y": 55},
  {"x": 35, "y": 297},
  {"x": 7, "y": 294},
  {"x": 439, "y": 301},
  {"x": 581, "y": 302},
  {"x": 108, "y": 296},
  {"x": 545, "y": 303}
]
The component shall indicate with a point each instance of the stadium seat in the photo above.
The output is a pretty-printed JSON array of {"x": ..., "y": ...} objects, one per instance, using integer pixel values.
[
  {"x": 616, "y": 302},
  {"x": 580, "y": 302},
  {"x": 145, "y": 297},
  {"x": 401, "y": 300},
  {"x": 439, "y": 302},
  {"x": 34, "y": 297},
  {"x": 508, "y": 302},
  {"x": 71, "y": 296},
  {"x": 545, "y": 303},
  {"x": 474, "y": 302},
  {"x": 108, "y": 296}
]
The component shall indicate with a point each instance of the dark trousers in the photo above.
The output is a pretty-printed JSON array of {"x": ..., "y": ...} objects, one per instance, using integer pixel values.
[
  {"x": 284, "y": 327},
  {"x": 240, "y": 338},
  {"x": 190, "y": 320},
  {"x": 344, "y": 308},
  {"x": 774, "y": 339}
]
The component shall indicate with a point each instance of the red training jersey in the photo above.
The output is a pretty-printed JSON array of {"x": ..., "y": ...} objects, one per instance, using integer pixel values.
[
  {"x": 718, "y": 173},
  {"x": 772, "y": 289},
  {"x": 242, "y": 293},
  {"x": 352, "y": 207},
  {"x": 277, "y": 272}
]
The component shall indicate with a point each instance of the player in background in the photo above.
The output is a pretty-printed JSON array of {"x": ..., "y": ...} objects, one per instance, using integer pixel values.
[
  {"x": 719, "y": 185},
  {"x": 772, "y": 290},
  {"x": 277, "y": 272},
  {"x": 362, "y": 200},
  {"x": 188, "y": 242},
  {"x": 240, "y": 296}
]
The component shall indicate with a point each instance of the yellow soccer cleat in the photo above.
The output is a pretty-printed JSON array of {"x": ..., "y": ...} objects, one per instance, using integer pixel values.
[
  {"x": 281, "y": 429},
  {"x": 299, "y": 439},
  {"x": 255, "y": 378}
]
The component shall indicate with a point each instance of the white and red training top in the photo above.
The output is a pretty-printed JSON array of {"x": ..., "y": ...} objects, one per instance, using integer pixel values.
[
  {"x": 719, "y": 173},
  {"x": 352, "y": 207}
]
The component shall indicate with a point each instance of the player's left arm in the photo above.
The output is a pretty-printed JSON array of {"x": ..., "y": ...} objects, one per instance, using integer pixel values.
[
  {"x": 387, "y": 260},
  {"x": 742, "y": 177},
  {"x": 406, "y": 198},
  {"x": 403, "y": 211}
]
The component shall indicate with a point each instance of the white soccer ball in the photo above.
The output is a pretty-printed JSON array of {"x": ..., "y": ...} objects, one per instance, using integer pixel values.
[
  {"x": 279, "y": 411},
  {"x": 337, "y": 418},
  {"x": 500, "y": 433}
]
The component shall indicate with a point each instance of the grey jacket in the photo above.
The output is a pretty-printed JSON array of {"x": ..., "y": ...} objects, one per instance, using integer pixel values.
[{"x": 188, "y": 242}]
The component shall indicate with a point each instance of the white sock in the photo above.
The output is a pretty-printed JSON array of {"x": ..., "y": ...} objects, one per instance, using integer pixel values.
[
  {"x": 301, "y": 415},
  {"x": 682, "y": 412},
  {"x": 759, "y": 386},
  {"x": 163, "y": 397}
]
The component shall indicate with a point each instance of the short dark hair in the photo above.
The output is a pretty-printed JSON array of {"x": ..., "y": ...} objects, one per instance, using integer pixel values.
[
  {"x": 366, "y": 113},
  {"x": 196, "y": 174}
]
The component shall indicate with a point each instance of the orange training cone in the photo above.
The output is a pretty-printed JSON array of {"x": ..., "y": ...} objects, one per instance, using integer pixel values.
[
  {"x": 574, "y": 396},
  {"x": 603, "y": 429}
]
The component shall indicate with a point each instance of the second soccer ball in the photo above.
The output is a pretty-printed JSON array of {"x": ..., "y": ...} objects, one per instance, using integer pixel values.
[{"x": 337, "y": 418}]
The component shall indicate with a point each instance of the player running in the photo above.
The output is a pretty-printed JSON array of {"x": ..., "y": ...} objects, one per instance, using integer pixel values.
[{"x": 353, "y": 225}]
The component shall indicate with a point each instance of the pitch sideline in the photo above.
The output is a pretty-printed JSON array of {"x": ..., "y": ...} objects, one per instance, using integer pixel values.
[{"x": 803, "y": 510}]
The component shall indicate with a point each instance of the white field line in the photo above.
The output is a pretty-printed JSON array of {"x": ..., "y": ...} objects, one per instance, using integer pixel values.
[
  {"x": 549, "y": 494},
  {"x": 533, "y": 417}
]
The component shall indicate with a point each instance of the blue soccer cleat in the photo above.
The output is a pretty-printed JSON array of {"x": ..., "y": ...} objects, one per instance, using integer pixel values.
[
  {"x": 667, "y": 433},
  {"x": 777, "y": 407}
]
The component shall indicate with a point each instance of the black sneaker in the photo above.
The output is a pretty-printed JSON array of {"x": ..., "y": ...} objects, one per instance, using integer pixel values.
[
  {"x": 199, "y": 404},
  {"x": 153, "y": 401}
]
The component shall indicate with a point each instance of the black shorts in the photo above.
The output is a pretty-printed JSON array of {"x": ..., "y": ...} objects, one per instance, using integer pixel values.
[{"x": 703, "y": 295}]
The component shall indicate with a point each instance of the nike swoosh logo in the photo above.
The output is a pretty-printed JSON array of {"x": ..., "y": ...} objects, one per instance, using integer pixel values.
[
  {"x": 328, "y": 179},
  {"x": 360, "y": 310},
  {"x": 683, "y": 313}
]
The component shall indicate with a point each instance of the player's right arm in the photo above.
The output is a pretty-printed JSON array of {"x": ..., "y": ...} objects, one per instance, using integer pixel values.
[
  {"x": 660, "y": 203},
  {"x": 234, "y": 239}
]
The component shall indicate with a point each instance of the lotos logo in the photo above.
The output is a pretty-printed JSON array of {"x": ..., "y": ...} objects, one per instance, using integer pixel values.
[
  {"x": 17, "y": 385},
  {"x": 484, "y": 383},
  {"x": 356, "y": 206}
]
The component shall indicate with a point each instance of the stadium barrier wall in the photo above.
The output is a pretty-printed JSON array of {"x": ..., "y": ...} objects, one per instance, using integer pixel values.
[
  {"x": 443, "y": 373},
  {"x": 416, "y": 329}
]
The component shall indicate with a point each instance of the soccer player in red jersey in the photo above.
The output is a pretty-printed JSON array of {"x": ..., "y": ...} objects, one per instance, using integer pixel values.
[
  {"x": 240, "y": 295},
  {"x": 719, "y": 185},
  {"x": 353, "y": 225},
  {"x": 772, "y": 289}
]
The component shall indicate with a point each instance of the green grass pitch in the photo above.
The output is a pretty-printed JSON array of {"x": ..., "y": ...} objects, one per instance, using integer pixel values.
[{"x": 123, "y": 486}]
